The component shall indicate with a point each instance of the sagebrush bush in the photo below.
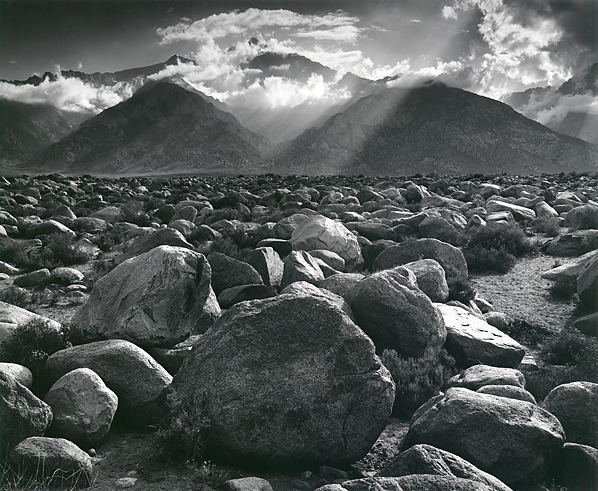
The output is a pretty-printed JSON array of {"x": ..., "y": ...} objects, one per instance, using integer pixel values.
[
  {"x": 63, "y": 251},
  {"x": 461, "y": 290},
  {"x": 548, "y": 226},
  {"x": 574, "y": 349},
  {"x": 417, "y": 379},
  {"x": 32, "y": 343},
  {"x": 181, "y": 436},
  {"x": 564, "y": 287},
  {"x": 226, "y": 245},
  {"x": 526, "y": 333},
  {"x": 496, "y": 247}
]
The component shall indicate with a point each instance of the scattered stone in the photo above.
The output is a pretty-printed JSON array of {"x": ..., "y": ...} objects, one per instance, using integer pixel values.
[
  {"x": 83, "y": 408},
  {"x": 479, "y": 375},
  {"x": 573, "y": 244},
  {"x": 472, "y": 341},
  {"x": 301, "y": 266},
  {"x": 57, "y": 459},
  {"x": 268, "y": 264},
  {"x": 513, "y": 440},
  {"x": 22, "y": 414},
  {"x": 248, "y": 484},
  {"x": 35, "y": 278},
  {"x": 426, "y": 459},
  {"x": 430, "y": 279},
  {"x": 228, "y": 272},
  {"x": 132, "y": 374},
  {"x": 396, "y": 314},
  {"x": 587, "y": 284},
  {"x": 576, "y": 406},
  {"x": 236, "y": 294}
]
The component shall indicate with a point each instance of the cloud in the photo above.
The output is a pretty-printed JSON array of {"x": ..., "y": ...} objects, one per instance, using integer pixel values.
[
  {"x": 69, "y": 94},
  {"x": 347, "y": 34},
  {"x": 12, "y": 62},
  {"x": 240, "y": 23},
  {"x": 449, "y": 12}
]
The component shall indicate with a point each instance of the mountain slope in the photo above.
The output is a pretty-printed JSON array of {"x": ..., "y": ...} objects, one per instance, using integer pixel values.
[
  {"x": 162, "y": 127},
  {"x": 26, "y": 129},
  {"x": 433, "y": 128},
  {"x": 580, "y": 125}
]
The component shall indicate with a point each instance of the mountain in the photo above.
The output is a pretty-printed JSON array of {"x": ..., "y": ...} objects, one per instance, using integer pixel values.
[
  {"x": 26, "y": 129},
  {"x": 432, "y": 128},
  {"x": 580, "y": 125},
  {"x": 292, "y": 66},
  {"x": 98, "y": 79},
  {"x": 162, "y": 127},
  {"x": 584, "y": 83}
]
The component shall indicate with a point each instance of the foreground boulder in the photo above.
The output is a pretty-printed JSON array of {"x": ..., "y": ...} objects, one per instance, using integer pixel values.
[
  {"x": 513, "y": 440},
  {"x": 396, "y": 314},
  {"x": 21, "y": 414},
  {"x": 471, "y": 340},
  {"x": 320, "y": 232},
  {"x": 449, "y": 257},
  {"x": 576, "y": 467},
  {"x": 130, "y": 372},
  {"x": 478, "y": 376},
  {"x": 425, "y": 459},
  {"x": 57, "y": 459},
  {"x": 413, "y": 482},
  {"x": 576, "y": 406},
  {"x": 83, "y": 408},
  {"x": 156, "y": 299},
  {"x": 289, "y": 380}
]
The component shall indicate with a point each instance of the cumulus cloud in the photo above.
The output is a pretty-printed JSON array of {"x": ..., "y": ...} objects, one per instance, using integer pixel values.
[
  {"x": 69, "y": 94},
  {"x": 240, "y": 23},
  {"x": 347, "y": 34}
]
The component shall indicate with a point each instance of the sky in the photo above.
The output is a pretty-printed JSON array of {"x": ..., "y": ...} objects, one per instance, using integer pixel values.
[{"x": 491, "y": 47}]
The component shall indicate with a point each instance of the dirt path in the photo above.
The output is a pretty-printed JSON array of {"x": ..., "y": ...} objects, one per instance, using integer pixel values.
[{"x": 523, "y": 294}]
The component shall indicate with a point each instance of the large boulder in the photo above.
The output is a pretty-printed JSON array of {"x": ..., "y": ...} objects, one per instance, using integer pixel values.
[
  {"x": 573, "y": 244},
  {"x": 587, "y": 284},
  {"x": 576, "y": 467},
  {"x": 413, "y": 482},
  {"x": 576, "y": 406},
  {"x": 320, "y": 232},
  {"x": 288, "y": 380},
  {"x": 228, "y": 272},
  {"x": 56, "y": 459},
  {"x": 83, "y": 408},
  {"x": 520, "y": 213},
  {"x": 431, "y": 279},
  {"x": 426, "y": 459},
  {"x": 471, "y": 340},
  {"x": 21, "y": 413},
  {"x": 156, "y": 299},
  {"x": 19, "y": 372},
  {"x": 583, "y": 217},
  {"x": 449, "y": 257},
  {"x": 268, "y": 264},
  {"x": 301, "y": 266},
  {"x": 145, "y": 243},
  {"x": 134, "y": 376},
  {"x": 570, "y": 270},
  {"x": 513, "y": 440},
  {"x": 396, "y": 314},
  {"x": 480, "y": 375}
]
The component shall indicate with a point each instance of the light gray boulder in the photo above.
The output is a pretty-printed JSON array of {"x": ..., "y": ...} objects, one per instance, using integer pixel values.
[
  {"x": 19, "y": 372},
  {"x": 513, "y": 440},
  {"x": 576, "y": 406},
  {"x": 471, "y": 340},
  {"x": 155, "y": 299},
  {"x": 480, "y": 375},
  {"x": 134, "y": 376},
  {"x": 83, "y": 408},
  {"x": 431, "y": 279},
  {"x": 22, "y": 414},
  {"x": 59, "y": 460},
  {"x": 396, "y": 314},
  {"x": 320, "y": 232},
  {"x": 301, "y": 266}
]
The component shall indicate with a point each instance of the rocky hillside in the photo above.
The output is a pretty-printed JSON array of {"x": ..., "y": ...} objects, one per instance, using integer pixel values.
[
  {"x": 433, "y": 128},
  {"x": 26, "y": 129},
  {"x": 163, "y": 127}
]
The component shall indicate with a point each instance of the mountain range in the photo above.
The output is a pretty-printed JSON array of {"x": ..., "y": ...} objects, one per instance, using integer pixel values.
[{"x": 379, "y": 127}]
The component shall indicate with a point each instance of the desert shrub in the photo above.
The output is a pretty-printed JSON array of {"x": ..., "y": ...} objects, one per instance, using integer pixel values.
[
  {"x": 62, "y": 251},
  {"x": 417, "y": 379},
  {"x": 587, "y": 218},
  {"x": 222, "y": 214},
  {"x": 548, "y": 226},
  {"x": 16, "y": 295},
  {"x": 461, "y": 290},
  {"x": 226, "y": 245},
  {"x": 32, "y": 343},
  {"x": 24, "y": 258},
  {"x": 564, "y": 287},
  {"x": 181, "y": 436},
  {"x": 209, "y": 474},
  {"x": 574, "y": 349},
  {"x": 496, "y": 247},
  {"x": 525, "y": 333}
]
